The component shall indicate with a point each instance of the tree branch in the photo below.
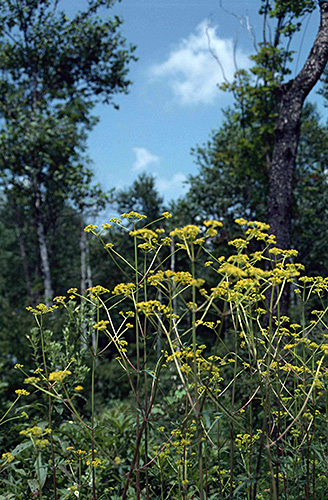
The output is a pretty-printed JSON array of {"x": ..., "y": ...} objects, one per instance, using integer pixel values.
[{"x": 317, "y": 59}]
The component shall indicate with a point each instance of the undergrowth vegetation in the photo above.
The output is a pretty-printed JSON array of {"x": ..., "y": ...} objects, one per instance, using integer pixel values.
[{"x": 215, "y": 394}]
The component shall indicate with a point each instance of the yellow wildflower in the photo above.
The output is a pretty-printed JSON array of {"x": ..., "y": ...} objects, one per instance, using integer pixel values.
[
  {"x": 109, "y": 246},
  {"x": 32, "y": 431},
  {"x": 90, "y": 228},
  {"x": 212, "y": 223},
  {"x": 41, "y": 309},
  {"x": 239, "y": 243},
  {"x": 58, "y": 376},
  {"x": 32, "y": 380},
  {"x": 241, "y": 222},
  {"x": 166, "y": 241},
  {"x": 42, "y": 443},
  {"x": 232, "y": 270},
  {"x": 127, "y": 314},
  {"x": 124, "y": 288},
  {"x": 324, "y": 347},
  {"x": 7, "y": 457},
  {"x": 144, "y": 233},
  {"x": 22, "y": 392},
  {"x": 60, "y": 299},
  {"x": 101, "y": 325},
  {"x": 134, "y": 216},
  {"x": 94, "y": 463},
  {"x": 189, "y": 232},
  {"x": 318, "y": 384},
  {"x": 97, "y": 290}
]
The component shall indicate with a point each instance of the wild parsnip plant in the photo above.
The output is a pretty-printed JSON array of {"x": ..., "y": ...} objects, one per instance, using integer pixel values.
[{"x": 228, "y": 398}]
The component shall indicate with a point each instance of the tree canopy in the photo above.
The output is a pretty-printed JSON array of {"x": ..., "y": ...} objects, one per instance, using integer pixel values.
[{"x": 53, "y": 70}]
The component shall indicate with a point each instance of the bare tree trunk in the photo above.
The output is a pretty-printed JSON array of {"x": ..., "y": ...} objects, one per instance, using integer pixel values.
[
  {"x": 21, "y": 245},
  {"x": 86, "y": 273},
  {"x": 89, "y": 270},
  {"x": 43, "y": 249},
  {"x": 287, "y": 132}
]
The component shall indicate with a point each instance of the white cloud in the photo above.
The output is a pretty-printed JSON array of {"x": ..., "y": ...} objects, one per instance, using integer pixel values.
[
  {"x": 194, "y": 68},
  {"x": 176, "y": 182},
  {"x": 144, "y": 158}
]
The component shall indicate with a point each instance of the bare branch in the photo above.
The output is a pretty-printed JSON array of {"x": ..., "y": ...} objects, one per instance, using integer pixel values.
[{"x": 214, "y": 55}]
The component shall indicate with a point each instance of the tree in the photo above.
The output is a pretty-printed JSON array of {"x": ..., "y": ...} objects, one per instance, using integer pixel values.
[
  {"x": 264, "y": 96},
  {"x": 52, "y": 71},
  {"x": 88, "y": 200},
  {"x": 142, "y": 196},
  {"x": 232, "y": 173},
  {"x": 291, "y": 96}
]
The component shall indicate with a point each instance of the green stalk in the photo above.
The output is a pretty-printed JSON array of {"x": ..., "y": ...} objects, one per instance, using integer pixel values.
[
  {"x": 219, "y": 459},
  {"x": 2, "y": 419},
  {"x": 231, "y": 422},
  {"x": 49, "y": 412},
  {"x": 93, "y": 409},
  {"x": 52, "y": 447},
  {"x": 80, "y": 473},
  {"x": 251, "y": 448},
  {"x": 146, "y": 385},
  {"x": 197, "y": 403},
  {"x": 138, "y": 430},
  {"x": 38, "y": 475}
]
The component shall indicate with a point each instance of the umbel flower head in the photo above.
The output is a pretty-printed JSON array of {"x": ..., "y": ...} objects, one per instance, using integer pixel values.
[{"x": 58, "y": 376}]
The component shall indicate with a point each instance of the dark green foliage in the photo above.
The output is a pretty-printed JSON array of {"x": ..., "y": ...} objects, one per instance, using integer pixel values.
[
  {"x": 141, "y": 197},
  {"x": 53, "y": 70},
  {"x": 233, "y": 174},
  {"x": 311, "y": 193}
]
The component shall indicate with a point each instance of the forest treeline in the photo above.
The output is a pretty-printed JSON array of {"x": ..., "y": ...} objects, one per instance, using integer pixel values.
[{"x": 54, "y": 69}]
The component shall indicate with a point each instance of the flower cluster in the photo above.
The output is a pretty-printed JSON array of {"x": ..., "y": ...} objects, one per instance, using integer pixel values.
[
  {"x": 125, "y": 289},
  {"x": 58, "y": 376},
  {"x": 179, "y": 277},
  {"x": 95, "y": 291},
  {"x": 91, "y": 228},
  {"x": 154, "y": 307},
  {"x": 133, "y": 216},
  {"x": 101, "y": 325},
  {"x": 41, "y": 309},
  {"x": 150, "y": 237}
]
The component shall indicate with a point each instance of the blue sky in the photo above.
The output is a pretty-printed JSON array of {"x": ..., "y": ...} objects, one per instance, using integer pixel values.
[{"x": 174, "y": 102}]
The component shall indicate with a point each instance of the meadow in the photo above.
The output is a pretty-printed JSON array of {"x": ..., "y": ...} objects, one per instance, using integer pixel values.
[{"x": 180, "y": 382}]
